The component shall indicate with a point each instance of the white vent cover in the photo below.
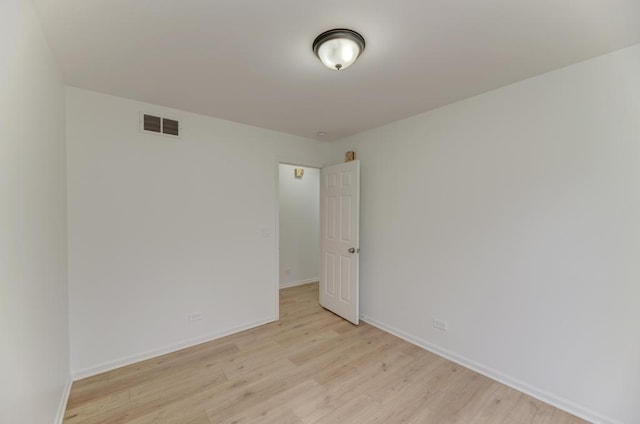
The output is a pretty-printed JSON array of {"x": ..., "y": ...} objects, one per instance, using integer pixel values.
[{"x": 159, "y": 125}]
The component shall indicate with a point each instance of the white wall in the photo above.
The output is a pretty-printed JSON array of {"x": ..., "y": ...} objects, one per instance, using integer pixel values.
[
  {"x": 299, "y": 225},
  {"x": 34, "y": 337},
  {"x": 160, "y": 228},
  {"x": 515, "y": 216}
]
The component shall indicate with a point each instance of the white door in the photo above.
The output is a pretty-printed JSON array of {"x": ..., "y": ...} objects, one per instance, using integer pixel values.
[{"x": 340, "y": 238}]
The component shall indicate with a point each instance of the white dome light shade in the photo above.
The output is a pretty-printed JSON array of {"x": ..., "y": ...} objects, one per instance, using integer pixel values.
[
  {"x": 338, "y": 48},
  {"x": 338, "y": 53}
]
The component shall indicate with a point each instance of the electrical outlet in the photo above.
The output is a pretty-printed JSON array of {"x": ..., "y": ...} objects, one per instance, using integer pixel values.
[
  {"x": 195, "y": 316},
  {"x": 440, "y": 324}
]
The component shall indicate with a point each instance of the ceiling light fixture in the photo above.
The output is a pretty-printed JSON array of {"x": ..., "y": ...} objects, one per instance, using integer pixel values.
[{"x": 338, "y": 48}]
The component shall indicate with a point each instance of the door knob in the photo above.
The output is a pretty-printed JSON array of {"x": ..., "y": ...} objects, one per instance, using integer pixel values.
[{"x": 352, "y": 250}]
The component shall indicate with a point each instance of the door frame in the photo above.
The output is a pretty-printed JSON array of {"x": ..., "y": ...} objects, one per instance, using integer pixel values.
[{"x": 276, "y": 236}]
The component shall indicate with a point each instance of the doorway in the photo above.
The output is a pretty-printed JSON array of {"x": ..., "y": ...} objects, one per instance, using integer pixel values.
[{"x": 298, "y": 225}]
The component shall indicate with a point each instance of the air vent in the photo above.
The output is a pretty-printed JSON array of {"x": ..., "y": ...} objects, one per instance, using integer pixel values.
[
  {"x": 160, "y": 125},
  {"x": 170, "y": 126}
]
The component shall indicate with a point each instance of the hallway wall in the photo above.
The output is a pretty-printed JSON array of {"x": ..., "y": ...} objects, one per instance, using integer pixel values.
[{"x": 299, "y": 225}]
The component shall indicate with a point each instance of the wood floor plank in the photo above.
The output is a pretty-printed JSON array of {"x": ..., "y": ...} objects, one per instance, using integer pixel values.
[
  {"x": 353, "y": 412},
  {"x": 277, "y": 406},
  {"x": 310, "y": 367}
]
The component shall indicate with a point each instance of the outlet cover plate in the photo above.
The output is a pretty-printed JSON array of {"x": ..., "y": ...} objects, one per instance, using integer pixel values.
[{"x": 440, "y": 324}]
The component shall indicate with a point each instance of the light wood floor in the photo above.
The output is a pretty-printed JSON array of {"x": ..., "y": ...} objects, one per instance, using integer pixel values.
[{"x": 309, "y": 367}]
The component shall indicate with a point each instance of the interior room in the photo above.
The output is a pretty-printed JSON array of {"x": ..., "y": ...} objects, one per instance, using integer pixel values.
[
  {"x": 499, "y": 152},
  {"x": 298, "y": 224}
]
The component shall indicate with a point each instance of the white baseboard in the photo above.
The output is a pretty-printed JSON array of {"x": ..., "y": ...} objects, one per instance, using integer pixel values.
[
  {"x": 111, "y": 365},
  {"x": 62, "y": 406},
  {"x": 299, "y": 283},
  {"x": 547, "y": 397}
]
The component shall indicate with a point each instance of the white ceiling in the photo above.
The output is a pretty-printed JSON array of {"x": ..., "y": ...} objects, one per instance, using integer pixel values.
[{"x": 250, "y": 61}]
